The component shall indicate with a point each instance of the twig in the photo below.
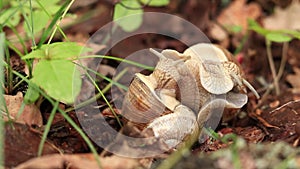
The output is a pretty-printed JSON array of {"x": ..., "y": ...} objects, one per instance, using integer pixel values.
[{"x": 284, "y": 105}]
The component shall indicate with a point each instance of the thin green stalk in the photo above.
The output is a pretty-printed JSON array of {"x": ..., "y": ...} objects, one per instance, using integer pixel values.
[
  {"x": 272, "y": 66},
  {"x": 241, "y": 45},
  {"x": 12, "y": 14},
  {"x": 69, "y": 120},
  {"x": 9, "y": 75},
  {"x": 20, "y": 82},
  {"x": 63, "y": 33},
  {"x": 182, "y": 151},
  {"x": 104, "y": 98},
  {"x": 11, "y": 46},
  {"x": 104, "y": 77},
  {"x": 57, "y": 24},
  {"x": 234, "y": 149},
  {"x": 120, "y": 60},
  {"x": 28, "y": 24},
  {"x": 32, "y": 27},
  {"x": 58, "y": 27},
  {"x": 43, "y": 8},
  {"x": 2, "y": 49},
  {"x": 53, "y": 22},
  {"x": 47, "y": 128},
  {"x": 283, "y": 60},
  {"x": 21, "y": 40},
  {"x": 20, "y": 111},
  {"x": 81, "y": 133},
  {"x": 98, "y": 95}
]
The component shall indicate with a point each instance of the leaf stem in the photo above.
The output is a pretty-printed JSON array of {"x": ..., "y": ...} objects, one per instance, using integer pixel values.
[
  {"x": 98, "y": 95},
  {"x": 57, "y": 24},
  {"x": 47, "y": 128},
  {"x": 283, "y": 60},
  {"x": 272, "y": 66},
  {"x": 2, "y": 101}
]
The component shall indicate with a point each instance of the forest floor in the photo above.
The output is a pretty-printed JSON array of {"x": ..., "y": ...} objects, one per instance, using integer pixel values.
[{"x": 267, "y": 129}]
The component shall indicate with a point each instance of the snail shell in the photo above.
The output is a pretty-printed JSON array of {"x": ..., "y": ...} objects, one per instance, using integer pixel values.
[
  {"x": 216, "y": 67},
  {"x": 141, "y": 104},
  {"x": 185, "y": 92}
]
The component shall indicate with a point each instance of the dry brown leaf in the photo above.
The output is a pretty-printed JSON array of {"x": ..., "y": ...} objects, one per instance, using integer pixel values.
[
  {"x": 287, "y": 18},
  {"x": 294, "y": 80},
  {"x": 238, "y": 13},
  {"x": 21, "y": 144},
  {"x": 79, "y": 161},
  {"x": 31, "y": 114},
  {"x": 218, "y": 33}
]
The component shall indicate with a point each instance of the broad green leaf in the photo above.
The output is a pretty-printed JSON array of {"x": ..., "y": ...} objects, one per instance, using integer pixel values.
[
  {"x": 253, "y": 25},
  {"x": 155, "y": 2},
  {"x": 50, "y": 6},
  {"x": 63, "y": 50},
  {"x": 128, "y": 19},
  {"x": 52, "y": 24},
  {"x": 31, "y": 94},
  {"x": 278, "y": 37},
  {"x": 294, "y": 33},
  {"x": 59, "y": 78},
  {"x": 39, "y": 53},
  {"x": 40, "y": 20},
  {"x": 45, "y": 3},
  {"x": 58, "y": 50},
  {"x": 10, "y": 17}
]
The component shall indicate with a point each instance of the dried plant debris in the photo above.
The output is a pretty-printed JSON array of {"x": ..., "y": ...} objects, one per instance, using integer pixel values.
[
  {"x": 80, "y": 161},
  {"x": 30, "y": 115},
  {"x": 284, "y": 18},
  {"x": 21, "y": 144},
  {"x": 246, "y": 156}
]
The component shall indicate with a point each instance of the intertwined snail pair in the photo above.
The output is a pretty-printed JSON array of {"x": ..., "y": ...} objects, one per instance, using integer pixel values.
[{"x": 184, "y": 91}]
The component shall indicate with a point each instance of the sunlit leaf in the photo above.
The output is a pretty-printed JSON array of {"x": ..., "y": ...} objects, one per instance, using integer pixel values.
[
  {"x": 155, "y": 2},
  {"x": 40, "y": 20},
  {"x": 10, "y": 17},
  {"x": 253, "y": 25},
  {"x": 278, "y": 37},
  {"x": 39, "y": 53},
  {"x": 58, "y": 50},
  {"x": 59, "y": 78},
  {"x": 129, "y": 15},
  {"x": 32, "y": 94}
]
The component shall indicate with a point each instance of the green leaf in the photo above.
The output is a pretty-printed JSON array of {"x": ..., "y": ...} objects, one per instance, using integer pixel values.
[
  {"x": 58, "y": 50},
  {"x": 293, "y": 33},
  {"x": 236, "y": 28},
  {"x": 278, "y": 37},
  {"x": 40, "y": 20},
  {"x": 10, "y": 17},
  {"x": 50, "y": 6},
  {"x": 59, "y": 78},
  {"x": 54, "y": 20},
  {"x": 156, "y": 3},
  {"x": 253, "y": 25},
  {"x": 128, "y": 19},
  {"x": 64, "y": 50},
  {"x": 31, "y": 94},
  {"x": 39, "y": 53}
]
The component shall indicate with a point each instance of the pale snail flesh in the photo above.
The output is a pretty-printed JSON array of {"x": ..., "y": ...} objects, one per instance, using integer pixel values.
[{"x": 176, "y": 99}]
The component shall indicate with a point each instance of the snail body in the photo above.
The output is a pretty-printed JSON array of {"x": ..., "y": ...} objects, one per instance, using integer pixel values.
[{"x": 184, "y": 91}]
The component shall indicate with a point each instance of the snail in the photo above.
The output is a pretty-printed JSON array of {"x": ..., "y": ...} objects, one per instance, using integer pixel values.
[{"x": 185, "y": 92}]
